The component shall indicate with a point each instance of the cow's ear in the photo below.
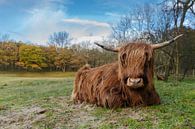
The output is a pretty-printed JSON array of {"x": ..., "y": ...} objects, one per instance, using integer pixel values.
[
  {"x": 108, "y": 48},
  {"x": 123, "y": 58}
]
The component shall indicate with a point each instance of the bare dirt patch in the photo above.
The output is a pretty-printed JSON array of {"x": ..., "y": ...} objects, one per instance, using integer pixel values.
[{"x": 22, "y": 118}]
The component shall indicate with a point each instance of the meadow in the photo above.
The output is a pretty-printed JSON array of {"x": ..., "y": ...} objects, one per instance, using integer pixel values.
[{"x": 43, "y": 101}]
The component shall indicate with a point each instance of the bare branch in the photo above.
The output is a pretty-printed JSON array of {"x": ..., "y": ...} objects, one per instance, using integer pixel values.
[{"x": 191, "y": 9}]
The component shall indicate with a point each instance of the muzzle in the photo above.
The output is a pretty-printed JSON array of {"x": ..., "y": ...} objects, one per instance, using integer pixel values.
[{"x": 134, "y": 82}]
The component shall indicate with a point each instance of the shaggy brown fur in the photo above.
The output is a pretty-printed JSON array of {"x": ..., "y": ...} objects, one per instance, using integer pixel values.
[{"x": 106, "y": 85}]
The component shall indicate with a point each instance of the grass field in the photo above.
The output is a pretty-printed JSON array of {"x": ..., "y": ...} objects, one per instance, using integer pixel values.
[{"x": 41, "y": 101}]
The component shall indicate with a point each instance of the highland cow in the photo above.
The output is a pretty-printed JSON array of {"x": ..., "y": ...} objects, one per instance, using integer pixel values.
[{"x": 127, "y": 82}]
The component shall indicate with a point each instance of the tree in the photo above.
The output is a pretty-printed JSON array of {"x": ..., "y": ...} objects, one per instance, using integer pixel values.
[
  {"x": 8, "y": 55},
  {"x": 122, "y": 30},
  {"x": 31, "y": 57},
  {"x": 50, "y": 56},
  {"x": 138, "y": 24},
  {"x": 186, "y": 6},
  {"x": 59, "y": 39},
  {"x": 63, "y": 59},
  {"x": 4, "y": 38},
  {"x": 180, "y": 9},
  {"x": 187, "y": 57}
]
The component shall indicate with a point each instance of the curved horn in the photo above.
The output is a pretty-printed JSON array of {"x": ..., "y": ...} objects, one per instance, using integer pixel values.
[
  {"x": 160, "y": 45},
  {"x": 107, "y": 48}
]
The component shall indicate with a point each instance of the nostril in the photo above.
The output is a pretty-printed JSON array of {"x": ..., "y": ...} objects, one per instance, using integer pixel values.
[
  {"x": 138, "y": 80},
  {"x": 125, "y": 80}
]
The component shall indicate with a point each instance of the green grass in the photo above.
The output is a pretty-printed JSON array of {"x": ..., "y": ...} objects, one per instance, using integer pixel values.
[
  {"x": 52, "y": 94},
  {"x": 21, "y": 91}
]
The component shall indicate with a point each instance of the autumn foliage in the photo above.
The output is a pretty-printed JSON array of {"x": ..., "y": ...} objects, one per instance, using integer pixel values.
[{"x": 18, "y": 56}]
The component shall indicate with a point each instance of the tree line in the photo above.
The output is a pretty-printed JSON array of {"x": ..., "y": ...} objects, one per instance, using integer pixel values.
[{"x": 18, "y": 56}]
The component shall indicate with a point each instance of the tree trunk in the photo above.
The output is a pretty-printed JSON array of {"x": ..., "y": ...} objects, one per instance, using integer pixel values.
[
  {"x": 177, "y": 62},
  {"x": 64, "y": 69},
  {"x": 186, "y": 6},
  {"x": 184, "y": 73},
  {"x": 168, "y": 65}
]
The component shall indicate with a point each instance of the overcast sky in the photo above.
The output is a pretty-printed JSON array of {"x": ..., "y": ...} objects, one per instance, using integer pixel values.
[{"x": 35, "y": 20}]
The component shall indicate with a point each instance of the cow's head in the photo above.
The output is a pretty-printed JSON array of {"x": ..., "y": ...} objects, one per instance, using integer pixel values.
[{"x": 136, "y": 62}]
